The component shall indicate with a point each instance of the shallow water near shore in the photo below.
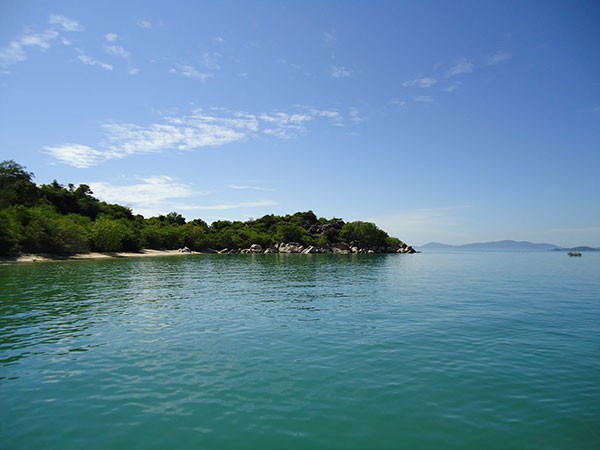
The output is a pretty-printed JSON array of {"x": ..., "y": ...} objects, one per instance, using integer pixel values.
[{"x": 427, "y": 351}]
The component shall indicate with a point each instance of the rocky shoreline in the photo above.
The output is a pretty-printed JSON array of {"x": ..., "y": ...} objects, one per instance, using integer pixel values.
[
  {"x": 341, "y": 248},
  {"x": 283, "y": 248}
]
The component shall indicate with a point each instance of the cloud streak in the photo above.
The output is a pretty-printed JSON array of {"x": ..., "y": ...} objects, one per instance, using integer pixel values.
[
  {"x": 148, "y": 25},
  {"x": 460, "y": 68},
  {"x": 190, "y": 72},
  {"x": 423, "y": 82},
  {"x": 186, "y": 133},
  {"x": 113, "y": 49},
  {"x": 149, "y": 196},
  {"x": 89, "y": 61},
  {"x": 497, "y": 58},
  {"x": 149, "y": 191},
  {"x": 249, "y": 188},
  {"x": 424, "y": 99},
  {"x": 117, "y": 50},
  {"x": 340, "y": 72},
  {"x": 154, "y": 195},
  {"x": 226, "y": 206},
  {"x": 16, "y": 50},
  {"x": 76, "y": 155},
  {"x": 65, "y": 23}
]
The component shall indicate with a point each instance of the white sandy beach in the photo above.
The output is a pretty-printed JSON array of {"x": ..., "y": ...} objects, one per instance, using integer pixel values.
[{"x": 32, "y": 258}]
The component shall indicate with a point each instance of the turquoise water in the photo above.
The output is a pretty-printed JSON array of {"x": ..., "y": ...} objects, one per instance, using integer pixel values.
[{"x": 427, "y": 351}]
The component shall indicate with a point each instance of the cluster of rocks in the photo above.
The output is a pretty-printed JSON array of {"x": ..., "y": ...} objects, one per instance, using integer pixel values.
[{"x": 340, "y": 248}]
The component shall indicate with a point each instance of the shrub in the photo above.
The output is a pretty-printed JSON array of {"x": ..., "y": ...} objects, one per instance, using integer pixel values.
[{"x": 364, "y": 234}]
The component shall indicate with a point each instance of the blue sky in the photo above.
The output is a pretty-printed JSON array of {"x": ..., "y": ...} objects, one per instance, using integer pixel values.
[{"x": 441, "y": 121}]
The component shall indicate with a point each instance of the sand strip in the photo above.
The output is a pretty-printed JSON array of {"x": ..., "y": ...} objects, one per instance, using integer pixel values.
[{"x": 32, "y": 258}]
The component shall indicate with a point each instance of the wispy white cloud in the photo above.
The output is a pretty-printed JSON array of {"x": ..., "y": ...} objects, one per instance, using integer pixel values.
[
  {"x": 329, "y": 39},
  {"x": 16, "y": 52},
  {"x": 150, "y": 190},
  {"x": 245, "y": 187},
  {"x": 113, "y": 49},
  {"x": 211, "y": 60},
  {"x": 76, "y": 155},
  {"x": 145, "y": 24},
  {"x": 225, "y": 206},
  {"x": 460, "y": 68},
  {"x": 88, "y": 60},
  {"x": 497, "y": 58},
  {"x": 452, "y": 87},
  {"x": 340, "y": 72},
  {"x": 334, "y": 116},
  {"x": 325, "y": 113},
  {"x": 65, "y": 23},
  {"x": 177, "y": 133},
  {"x": 190, "y": 72},
  {"x": 154, "y": 195},
  {"x": 117, "y": 50},
  {"x": 149, "y": 196},
  {"x": 422, "y": 82},
  {"x": 41, "y": 40},
  {"x": 329, "y": 43},
  {"x": 284, "y": 125},
  {"x": 424, "y": 99},
  {"x": 355, "y": 116},
  {"x": 184, "y": 133},
  {"x": 399, "y": 102}
]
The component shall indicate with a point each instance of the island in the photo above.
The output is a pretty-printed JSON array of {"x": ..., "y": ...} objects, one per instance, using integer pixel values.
[{"x": 52, "y": 219}]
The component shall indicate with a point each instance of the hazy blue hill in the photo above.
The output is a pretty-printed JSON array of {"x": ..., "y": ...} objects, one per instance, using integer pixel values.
[{"x": 496, "y": 246}]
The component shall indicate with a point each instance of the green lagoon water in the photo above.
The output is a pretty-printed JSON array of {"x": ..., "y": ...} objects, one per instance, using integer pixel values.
[{"x": 427, "y": 351}]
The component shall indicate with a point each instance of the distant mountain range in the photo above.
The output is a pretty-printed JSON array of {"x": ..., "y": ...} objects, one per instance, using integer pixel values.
[{"x": 496, "y": 246}]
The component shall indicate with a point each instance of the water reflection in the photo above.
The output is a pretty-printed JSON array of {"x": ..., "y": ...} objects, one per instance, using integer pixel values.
[
  {"x": 307, "y": 283},
  {"x": 62, "y": 308},
  {"x": 46, "y": 307}
]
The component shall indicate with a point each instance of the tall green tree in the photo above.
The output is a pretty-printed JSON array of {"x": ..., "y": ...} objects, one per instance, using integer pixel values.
[
  {"x": 10, "y": 232},
  {"x": 71, "y": 200},
  {"x": 16, "y": 185}
]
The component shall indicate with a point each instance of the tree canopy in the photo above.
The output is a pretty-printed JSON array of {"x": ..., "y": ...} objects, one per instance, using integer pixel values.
[{"x": 58, "y": 219}]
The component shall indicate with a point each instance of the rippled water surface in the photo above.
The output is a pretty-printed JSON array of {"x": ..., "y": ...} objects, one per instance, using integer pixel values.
[{"x": 428, "y": 351}]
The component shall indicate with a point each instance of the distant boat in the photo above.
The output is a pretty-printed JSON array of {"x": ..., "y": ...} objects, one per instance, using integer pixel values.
[{"x": 574, "y": 254}]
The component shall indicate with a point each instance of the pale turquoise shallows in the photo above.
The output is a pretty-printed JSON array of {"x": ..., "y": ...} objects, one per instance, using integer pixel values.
[{"x": 427, "y": 351}]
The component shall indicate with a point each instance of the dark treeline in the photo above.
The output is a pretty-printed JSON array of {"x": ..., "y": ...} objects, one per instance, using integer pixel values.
[{"x": 57, "y": 219}]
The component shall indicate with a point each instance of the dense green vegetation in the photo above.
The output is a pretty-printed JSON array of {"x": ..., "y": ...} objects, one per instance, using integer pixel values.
[{"x": 57, "y": 219}]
